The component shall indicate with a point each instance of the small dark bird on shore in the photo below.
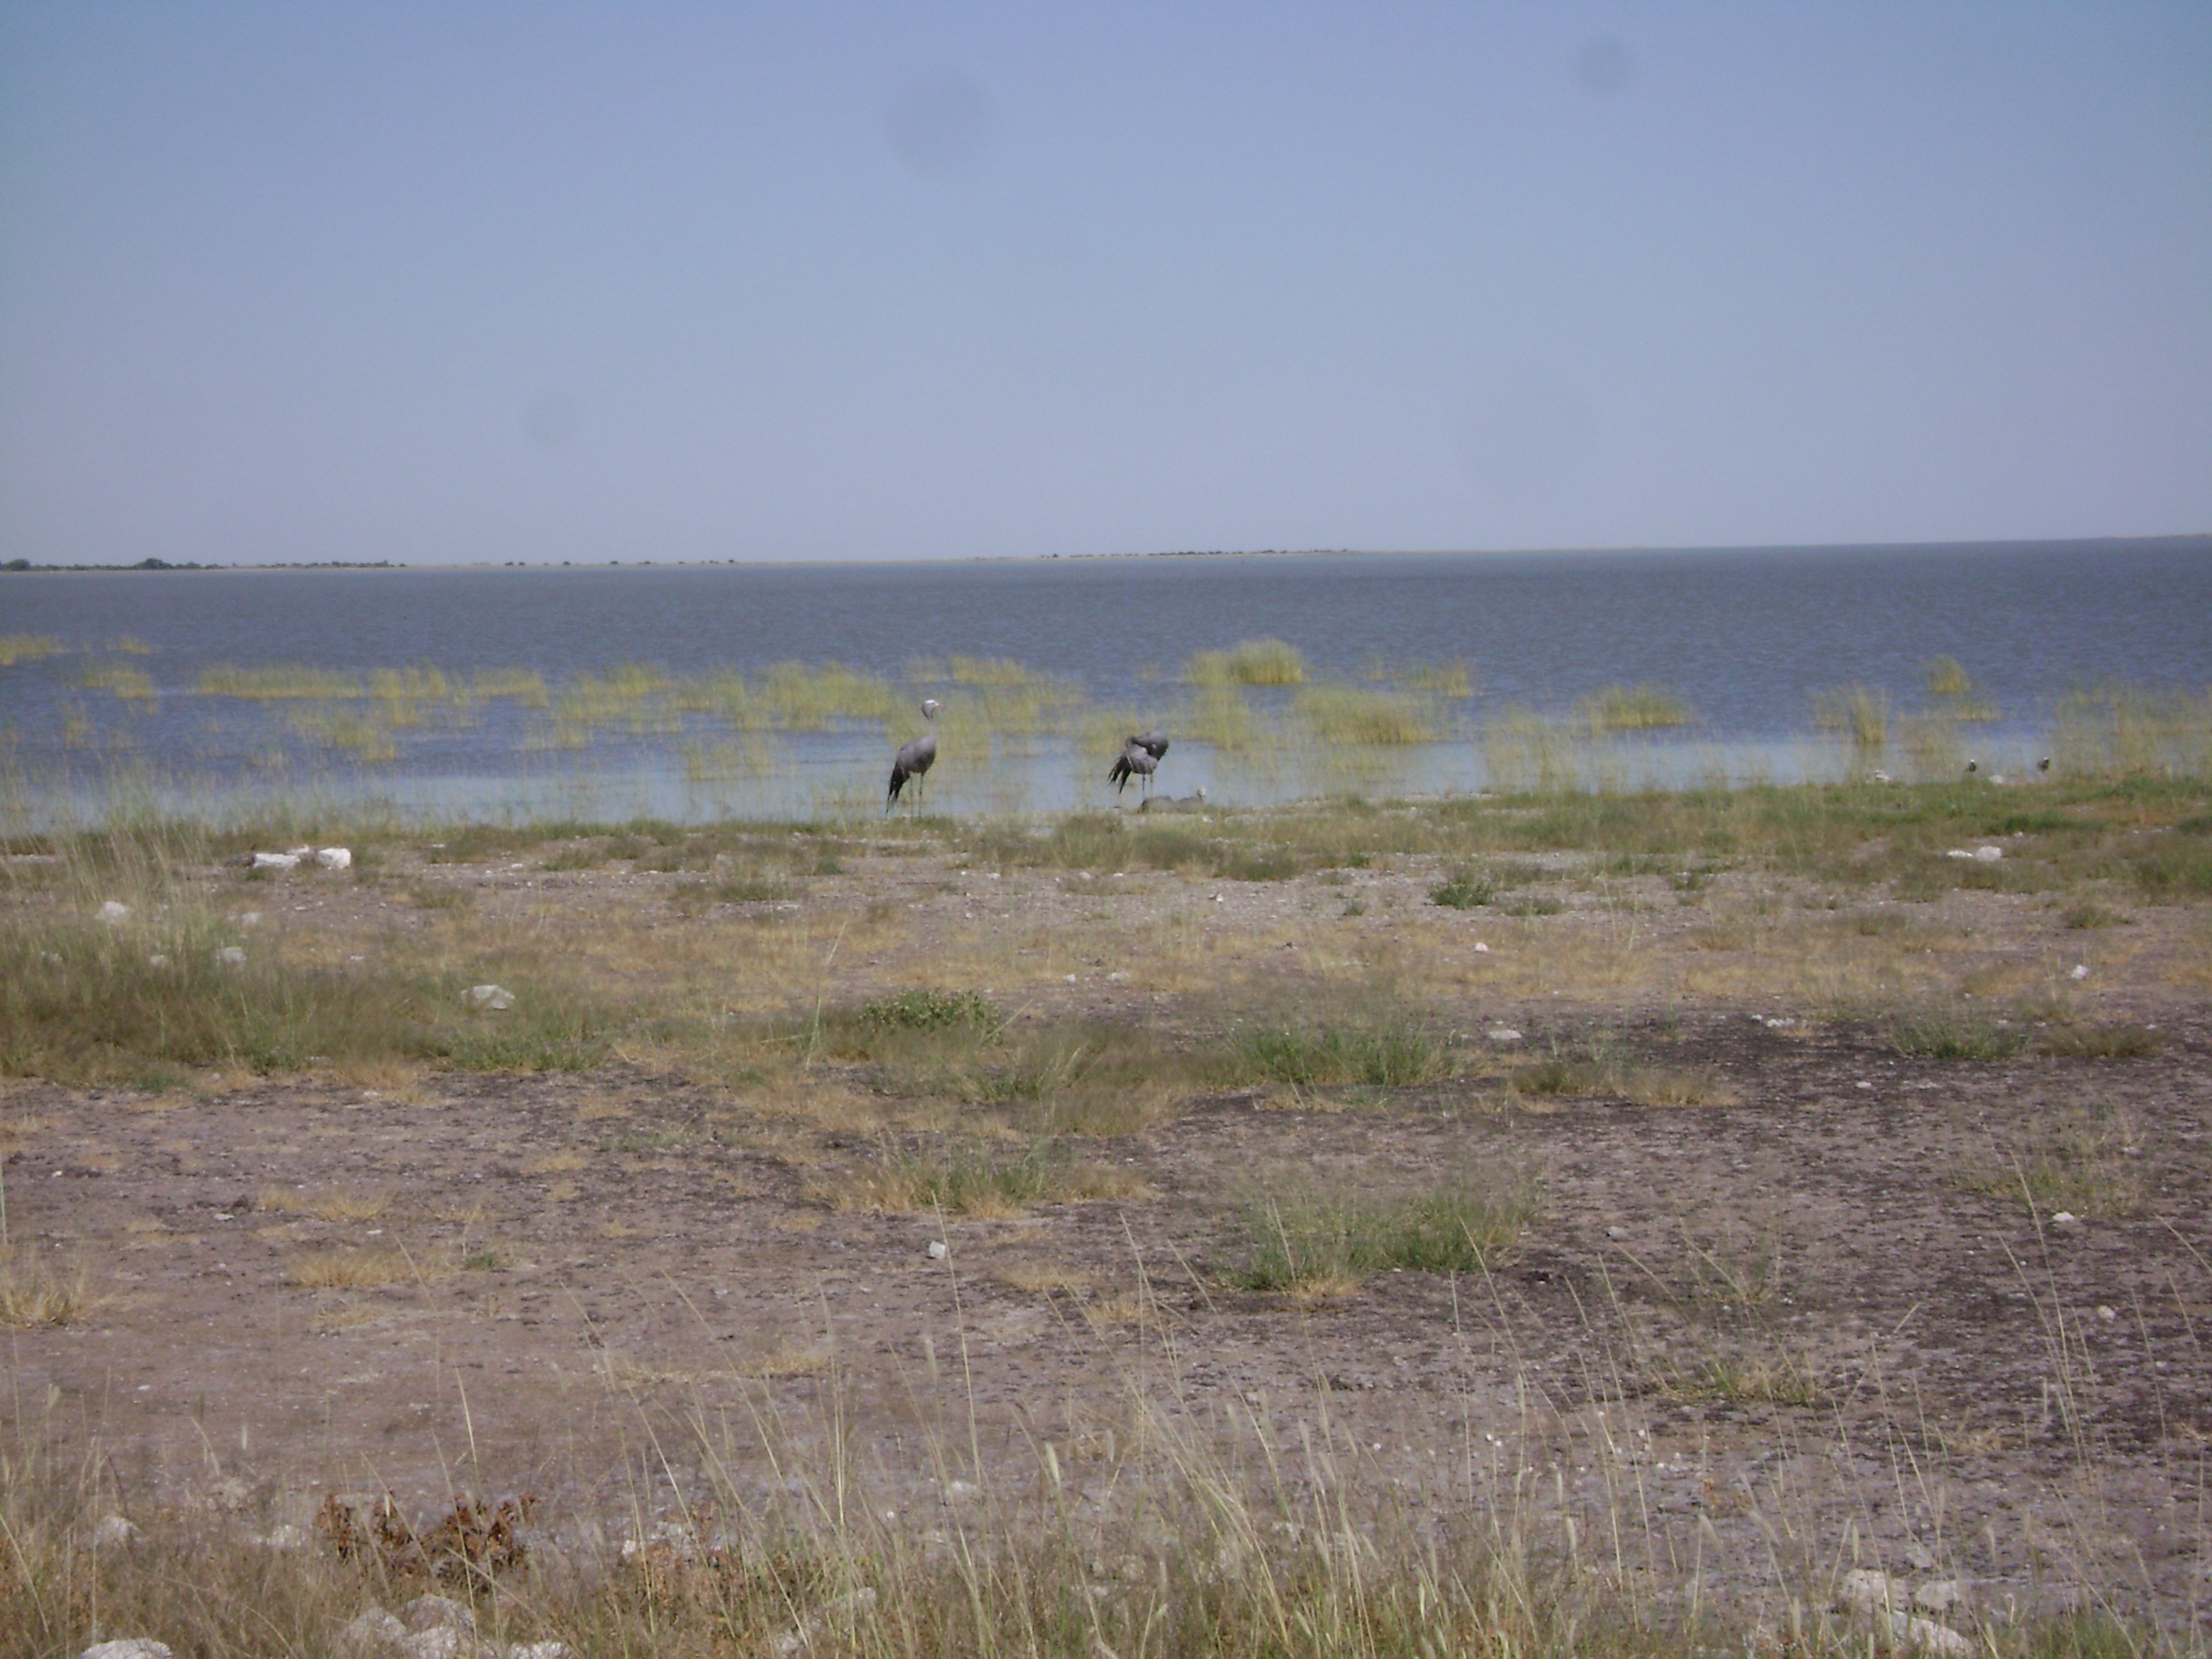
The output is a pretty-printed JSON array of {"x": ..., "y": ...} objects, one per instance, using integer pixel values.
[
  {"x": 1972, "y": 766},
  {"x": 1140, "y": 757},
  {"x": 2044, "y": 765},
  {"x": 916, "y": 758}
]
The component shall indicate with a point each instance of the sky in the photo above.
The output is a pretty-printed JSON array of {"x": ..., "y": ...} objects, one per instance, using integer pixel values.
[{"x": 459, "y": 281}]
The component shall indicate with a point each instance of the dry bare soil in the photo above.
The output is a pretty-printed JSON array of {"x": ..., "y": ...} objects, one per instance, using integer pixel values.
[{"x": 1799, "y": 1287}]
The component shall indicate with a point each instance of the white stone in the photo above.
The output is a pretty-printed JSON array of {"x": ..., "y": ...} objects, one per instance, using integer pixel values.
[
  {"x": 440, "y": 1641},
  {"x": 112, "y": 911},
  {"x": 2066, "y": 1218},
  {"x": 1481, "y": 949},
  {"x": 249, "y": 918},
  {"x": 1929, "y": 1637},
  {"x": 1988, "y": 854},
  {"x": 335, "y": 858},
  {"x": 373, "y": 1632},
  {"x": 937, "y": 1251},
  {"x": 129, "y": 1647},
  {"x": 1869, "y": 1594},
  {"x": 1941, "y": 1595},
  {"x": 537, "y": 1650},
  {"x": 2108, "y": 1315},
  {"x": 961, "y": 1492},
  {"x": 114, "y": 1533},
  {"x": 2079, "y": 972},
  {"x": 279, "y": 862},
  {"x": 1503, "y": 1034},
  {"x": 1958, "y": 853},
  {"x": 303, "y": 850},
  {"x": 497, "y": 998},
  {"x": 157, "y": 960},
  {"x": 231, "y": 956},
  {"x": 437, "y": 1613}
]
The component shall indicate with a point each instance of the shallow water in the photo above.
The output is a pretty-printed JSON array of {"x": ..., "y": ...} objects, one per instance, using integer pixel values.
[{"x": 1746, "y": 637}]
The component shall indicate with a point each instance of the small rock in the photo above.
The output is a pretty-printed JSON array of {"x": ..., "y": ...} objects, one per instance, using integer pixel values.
[
  {"x": 277, "y": 862},
  {"x": 2079, "y": 972},
  {"x": 937, "y": 1251},
  {"x": 300, "y": 852},
  {"x": 1958, "y": 853},
  {"x": 440, "y": 1641},
  {"x": 111, "y": 913},
  {"x": 1988, "y": 854},
  {"x": 1863, "y": 1084},
  {"x": 1481, "y": 949},
  {"x": 1929, "y": 1637},
  {"x": 1941, "y": 1595},
  {"x": 1869, "y": 1594},
  {"x": 232, "y": 1493},
  {"x": 129, "y": 1647},
  {"x": 335, "y": 858},
  {"x": 1616, "y": 1233},
  {"x": 249, "y": 918},
  {"x": 157, "y": 960},
  {"x": 2108, "y": 1314},
  {"x": 373, "y": 1632},
  {"x": 2066, "y": 1218},
  {"x": 1503, "y": 1034},
  {"x": 844, "y": 1608},
  {"x": 497, "y": 998},
  {"x": 437, "y": 1613},
  {"x": 537, "y": 1650},
  {"x": 961, "y": 1492},
  {"x": 231, "y": 956},
  {"x": 114, "y": 1533},
  {"x": 284, "y": 1538},
  {"x": 1117, "y": 977}
]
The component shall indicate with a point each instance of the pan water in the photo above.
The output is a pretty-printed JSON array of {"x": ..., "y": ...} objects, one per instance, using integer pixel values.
[{"x": 1747, "y": 638}]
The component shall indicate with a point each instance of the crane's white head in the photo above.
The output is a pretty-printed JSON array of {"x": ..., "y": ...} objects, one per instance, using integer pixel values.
[{"x": 929, "y": 707}]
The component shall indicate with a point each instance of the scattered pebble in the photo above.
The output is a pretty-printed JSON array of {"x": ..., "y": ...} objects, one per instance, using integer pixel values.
[
  {"x": 335, "y": 858},
  {"x": 131, "y": 1647},
  {"x": 112, "y": 911},
  {"x": 278, "y": 862},
  {"x": 938, "y": 1250},
  {"x": 2066, "y": 1218},
  {"x": 1616, "y": 1233},
  {"x": 231, "y": 956},
  {"x": 1481, "y": 949},
  {"x": 1863, "y": 1084},
  {"x": 249, "y": 918},
  {"x": 497, "y": 998},
  {"x": 961, "y": 1492},
  {"x": 114, "y": 1533},
  {"x": 437, "y": 1613},
  {"x": 1503, "y": 1034},
  {"x": 1117, "y": 977},
  {"x": 2105, "y": 1313},
  {"x": 373, "y": 1632},
  {"x": 157, "y": 960},
  {"x": 2079, "y": 972}
]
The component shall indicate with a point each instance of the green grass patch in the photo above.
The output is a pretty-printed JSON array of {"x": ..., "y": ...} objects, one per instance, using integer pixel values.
[
  {"x": 2102, "y": 1042},
  {"x": 1464, "y": 891},
  {"x": 1952, "y": 1033},
  {"x": 1305, "y": 1240},
  {"x": 1388, "y": 1047}
]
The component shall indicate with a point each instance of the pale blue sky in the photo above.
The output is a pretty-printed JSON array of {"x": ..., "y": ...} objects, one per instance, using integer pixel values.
[{"x": 454, "y": 283}]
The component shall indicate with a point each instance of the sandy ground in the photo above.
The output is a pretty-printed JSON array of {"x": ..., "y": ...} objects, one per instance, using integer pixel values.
[{"x": 1778, "y": 1335}]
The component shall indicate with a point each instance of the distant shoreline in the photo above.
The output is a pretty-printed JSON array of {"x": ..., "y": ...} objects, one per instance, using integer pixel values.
[{"x": 162, "y": 567}]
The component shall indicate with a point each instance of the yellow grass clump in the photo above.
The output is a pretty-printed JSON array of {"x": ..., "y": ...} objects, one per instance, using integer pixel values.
[
  {"x": 1633, "y": 708},
  {"x": 27, "y": 648},
  {"x": 1350, "y": 714},
  {"x": 1253, "y": 662},
  {"x": 273, "y": 682}
]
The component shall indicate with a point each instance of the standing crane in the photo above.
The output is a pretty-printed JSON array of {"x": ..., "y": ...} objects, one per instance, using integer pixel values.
[
  {"x": 1140, "y": 757},
  {"x": 916, "y": 758}
]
